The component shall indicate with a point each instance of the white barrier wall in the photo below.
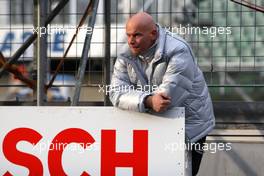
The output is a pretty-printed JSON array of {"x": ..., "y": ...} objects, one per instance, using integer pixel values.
[{"x": 90, "y": 141}]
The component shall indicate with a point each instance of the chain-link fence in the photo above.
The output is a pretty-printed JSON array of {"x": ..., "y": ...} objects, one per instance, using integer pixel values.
[{"x": 226, "y": 37}]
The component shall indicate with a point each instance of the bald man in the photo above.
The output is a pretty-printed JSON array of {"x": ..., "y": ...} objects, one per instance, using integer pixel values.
[
  {"x": 141, "y": 33},
  {"x": 164, "y": 65}
]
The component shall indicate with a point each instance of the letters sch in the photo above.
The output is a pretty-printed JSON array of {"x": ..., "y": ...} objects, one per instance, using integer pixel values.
[{"x": 110, "y": 159}]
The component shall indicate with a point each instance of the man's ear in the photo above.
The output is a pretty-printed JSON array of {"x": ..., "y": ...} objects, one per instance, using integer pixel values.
[{"x": 154, "y": 34}]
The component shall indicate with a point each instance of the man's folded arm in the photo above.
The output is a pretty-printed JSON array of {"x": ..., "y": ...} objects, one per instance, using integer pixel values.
[{"x": 123, "y": 94}]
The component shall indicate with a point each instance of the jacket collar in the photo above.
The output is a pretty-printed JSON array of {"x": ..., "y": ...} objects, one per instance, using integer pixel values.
[{"x": 160, "y": 49}]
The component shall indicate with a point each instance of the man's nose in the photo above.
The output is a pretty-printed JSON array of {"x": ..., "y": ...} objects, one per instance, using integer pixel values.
[{"x": 131, "y": 40}]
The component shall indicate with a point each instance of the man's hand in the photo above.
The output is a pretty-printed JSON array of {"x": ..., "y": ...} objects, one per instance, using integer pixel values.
[{"x": 158, "y": 102}]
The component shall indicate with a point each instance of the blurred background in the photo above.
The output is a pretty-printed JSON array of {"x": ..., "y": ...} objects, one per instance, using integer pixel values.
[{"x": 232, "y": 62}]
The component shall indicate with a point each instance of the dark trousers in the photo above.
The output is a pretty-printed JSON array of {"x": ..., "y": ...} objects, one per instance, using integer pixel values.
[{"x": 197, "y": 154}]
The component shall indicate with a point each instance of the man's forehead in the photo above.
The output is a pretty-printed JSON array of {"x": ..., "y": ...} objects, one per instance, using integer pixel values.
[
  {"x": 132, "y": 30},
  {"x": 134, "y": 27}
]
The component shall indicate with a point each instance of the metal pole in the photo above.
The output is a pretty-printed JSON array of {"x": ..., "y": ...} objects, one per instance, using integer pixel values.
[
  {"x": 35, "y": 49},
  {"x": 41, "y": 53},
  {"x": 83, "y": 62},
  {"x": 250, "y": 5},
  {"x": 107, "y": 21}
]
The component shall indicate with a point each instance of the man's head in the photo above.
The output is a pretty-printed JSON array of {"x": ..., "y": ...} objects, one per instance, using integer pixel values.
[{"x": 141, "y": 33}]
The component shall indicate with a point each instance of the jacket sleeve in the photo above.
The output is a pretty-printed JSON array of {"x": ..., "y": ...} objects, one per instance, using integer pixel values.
[
  {"x": 179, "y": 75},
  {"x": 123, "y": 94}
]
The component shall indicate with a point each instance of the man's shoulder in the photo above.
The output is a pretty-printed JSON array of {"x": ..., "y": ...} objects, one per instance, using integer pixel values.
[
  {"x": 175, "y": 44},
  {"x": 175, "y": 39},
  {"x": 172, "y": 40},
  {"x": 124, "y": 53},
  {"x": 124, "y": 57}
]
